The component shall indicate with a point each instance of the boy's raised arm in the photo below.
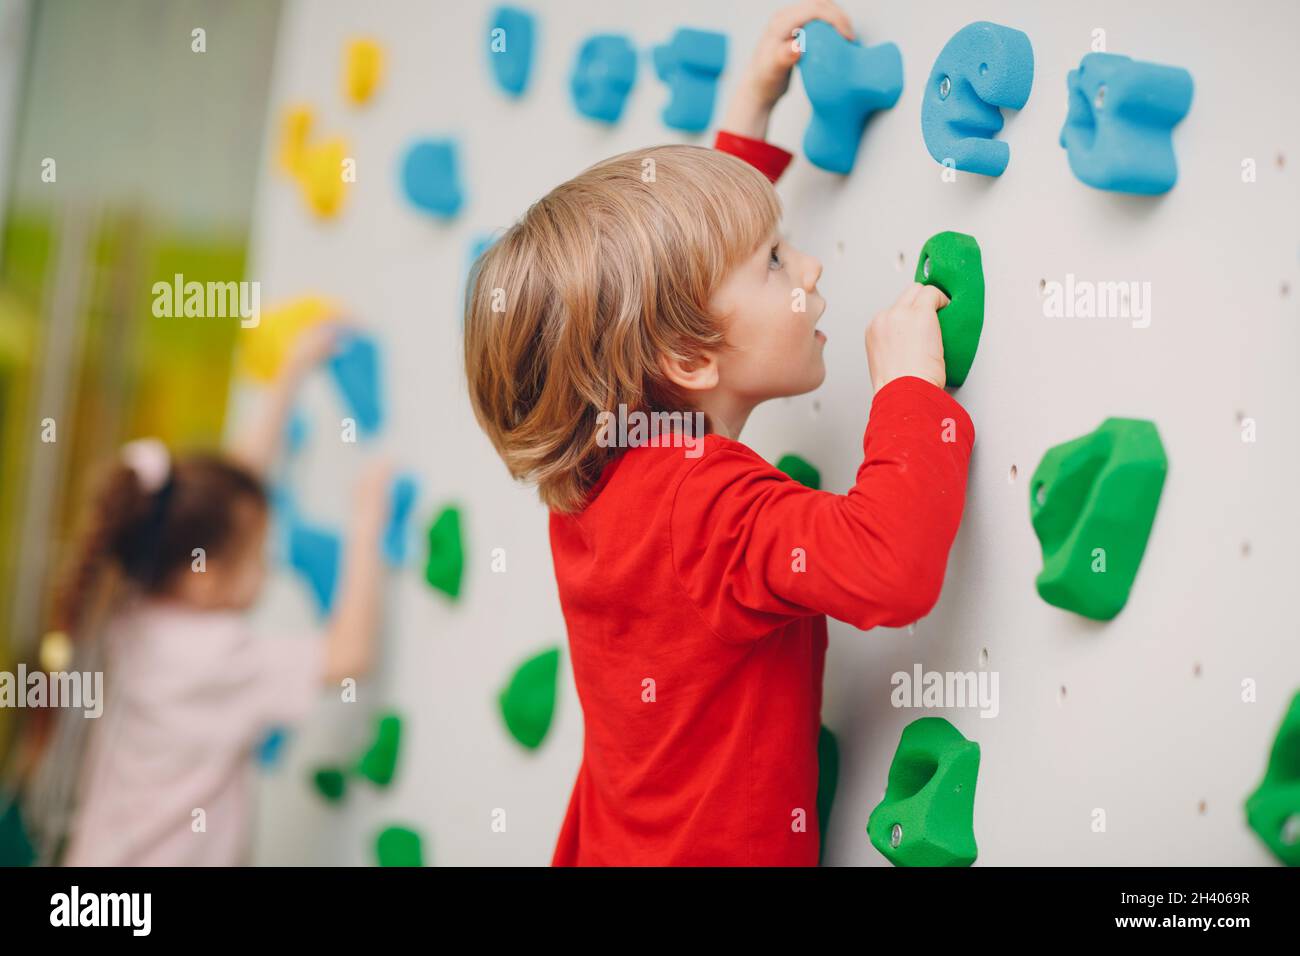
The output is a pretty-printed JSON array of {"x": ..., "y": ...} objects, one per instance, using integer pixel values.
[
  {"x": 767, "y": 76},
  {"x": 743, "y": 132},
  {"x": 755, "y": 549}
]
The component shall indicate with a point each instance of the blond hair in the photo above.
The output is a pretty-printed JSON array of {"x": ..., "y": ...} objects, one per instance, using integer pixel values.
[{"x": 567, "y": 314}]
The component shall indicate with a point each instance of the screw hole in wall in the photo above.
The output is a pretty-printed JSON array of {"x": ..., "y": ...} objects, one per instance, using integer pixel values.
[
  {"x": 1196, "y": 669},
  {"x": 1042, "y": 286},
  {"x": 1061, "y": 695},
  {"x": 899, "y": 262},
  {"x": 1245, "y": 549},
  {"x": 1011, "y": 475},
  {"x": 984, "y": 657}
]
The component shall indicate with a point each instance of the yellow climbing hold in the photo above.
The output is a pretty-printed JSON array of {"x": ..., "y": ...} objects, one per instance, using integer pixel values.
[
  {"x": 264, "y": 347},
  {"x": 363, "y": 70},
  {"x": 317, "y": 167},
  {"x": 295, "y": 131},
  {"x": 321, "y": 176}
]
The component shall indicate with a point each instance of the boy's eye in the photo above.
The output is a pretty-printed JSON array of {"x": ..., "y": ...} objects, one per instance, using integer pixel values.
[{"x": 774, "y": 260}]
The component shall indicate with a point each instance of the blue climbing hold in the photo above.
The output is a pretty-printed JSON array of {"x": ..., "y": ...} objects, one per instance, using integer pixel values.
[
  {"x": 603, "y": 76},
  {"x": 982, "y": 70},
  {"x": 315, "y": 554},
  {"x": 355, "y": 366},
  {"x": 510, "y": 48},
  {"x": 431, "y": 177},
  {"x": 296, "y": 432},
  {"x": 399, "y": 513},
  {"x": 690, "y": 64},
  {"x": 479, "y": 245},
  {"x": 283, "y": 517},
  {"x": 268, "y": 751},
  {"x": 846, "y": 82},
  {"x": 1118, "y": 133}
]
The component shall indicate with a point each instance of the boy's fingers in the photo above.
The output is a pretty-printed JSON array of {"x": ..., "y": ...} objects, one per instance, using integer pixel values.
[
  {"x": 909, "y": 294},
  {"x": 931, "y": 298},
  {"x": 787, "y": 55},
  {"x": 789, "y": 19},
  {"x": 837, "y": 18}
]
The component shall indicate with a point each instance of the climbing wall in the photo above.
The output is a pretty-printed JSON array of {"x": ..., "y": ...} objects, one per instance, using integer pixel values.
[{"x": 1130, "y": 741}]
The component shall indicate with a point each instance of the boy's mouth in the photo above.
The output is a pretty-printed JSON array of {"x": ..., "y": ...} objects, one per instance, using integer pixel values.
[{"x": 819, "y": 335}]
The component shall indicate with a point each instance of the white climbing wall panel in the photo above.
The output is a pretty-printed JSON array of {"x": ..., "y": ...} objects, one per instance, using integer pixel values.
[{"x": 1142, "y": 718}]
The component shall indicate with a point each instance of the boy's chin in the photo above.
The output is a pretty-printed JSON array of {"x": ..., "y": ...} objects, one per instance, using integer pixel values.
[
  {"x": 815, "y": 378},
  {"x": 808, "y": 383}
]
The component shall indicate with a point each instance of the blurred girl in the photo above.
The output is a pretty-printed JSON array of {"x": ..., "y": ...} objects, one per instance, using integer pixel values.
[{"x": 191, "y": 689}]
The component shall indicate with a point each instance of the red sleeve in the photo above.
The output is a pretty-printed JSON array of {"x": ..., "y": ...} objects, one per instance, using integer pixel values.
[
  {"x": 755, "y": 549},
  {"x": 769, "y": 160}
]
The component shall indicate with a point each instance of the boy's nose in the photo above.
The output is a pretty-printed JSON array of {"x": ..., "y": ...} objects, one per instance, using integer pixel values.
[{"x": 812, "y": 272}]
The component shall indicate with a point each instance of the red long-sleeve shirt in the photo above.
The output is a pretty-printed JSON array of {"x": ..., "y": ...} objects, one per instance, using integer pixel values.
[{"x": 695, "y": 591}]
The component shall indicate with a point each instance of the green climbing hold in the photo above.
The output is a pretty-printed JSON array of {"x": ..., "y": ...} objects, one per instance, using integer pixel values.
[
  {"x": 15, "y": 845},
  {"x": 398, "y": 846},
  {"x": 927, "y": 817},
  {"x": 1273, "y": 810},
  {"x": 951, "y": 262},
  {"x": 380, "y": 762},
  {"x": 377, "y": 764},
  {"x": 446, "y": 553},
  {"x": 800, "y": 470},
  {"x": 828, "y": 777},
  {"x": 331, "y": 783},
  {"x": 1092, "y": 502},
  {"x": 528, "y": 702}
]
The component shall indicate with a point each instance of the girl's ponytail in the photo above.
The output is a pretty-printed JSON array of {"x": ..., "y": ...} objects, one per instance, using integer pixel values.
[{"x": 119, "y": 505}]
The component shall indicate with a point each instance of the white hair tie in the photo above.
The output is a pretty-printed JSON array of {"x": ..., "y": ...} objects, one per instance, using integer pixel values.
[{"x": 151, "y": 462}]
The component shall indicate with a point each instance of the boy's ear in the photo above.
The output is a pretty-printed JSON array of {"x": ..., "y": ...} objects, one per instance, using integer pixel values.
[{"x": 697, "y": 374}]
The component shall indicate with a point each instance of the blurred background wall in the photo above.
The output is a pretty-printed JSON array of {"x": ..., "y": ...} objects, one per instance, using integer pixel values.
[{"x": 124, "y": 157}]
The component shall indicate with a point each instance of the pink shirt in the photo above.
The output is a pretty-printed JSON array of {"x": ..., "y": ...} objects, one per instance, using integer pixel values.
[{"x": 189, "y": 696}]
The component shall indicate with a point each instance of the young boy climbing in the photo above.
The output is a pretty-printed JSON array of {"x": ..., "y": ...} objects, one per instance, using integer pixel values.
[
  {"x": 191, "y": 689},
  {"x": 695, "y": 588}
]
